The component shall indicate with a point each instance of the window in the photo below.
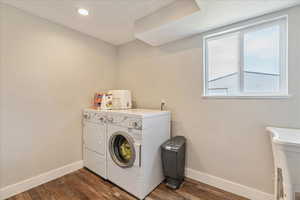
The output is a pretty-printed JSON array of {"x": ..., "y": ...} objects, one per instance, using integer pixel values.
[{"x": 248, "y": 61}]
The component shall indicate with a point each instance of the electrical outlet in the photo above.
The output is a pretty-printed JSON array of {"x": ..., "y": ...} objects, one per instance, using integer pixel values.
[{"x": 163, "y": 103}]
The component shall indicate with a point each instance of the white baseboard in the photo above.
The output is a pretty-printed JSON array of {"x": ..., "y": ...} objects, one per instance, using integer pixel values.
[
  {"x": 27, "y": 184},
  {"x": 217, "y": 182},
  {"x": 228, "y": 186}
]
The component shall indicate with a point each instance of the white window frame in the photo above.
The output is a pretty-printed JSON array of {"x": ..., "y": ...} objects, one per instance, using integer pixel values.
[{"x": 282, "y": 21}]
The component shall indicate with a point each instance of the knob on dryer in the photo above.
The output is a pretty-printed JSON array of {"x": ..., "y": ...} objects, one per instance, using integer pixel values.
[
  {"x": 110, "y": 119},
  {"x": 86, "y": 115},
  {"x": 99, "y": 117}
]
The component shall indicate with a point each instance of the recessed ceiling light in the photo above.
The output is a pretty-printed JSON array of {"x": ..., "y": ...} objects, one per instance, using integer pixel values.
[{"x": 83, "y": 11}]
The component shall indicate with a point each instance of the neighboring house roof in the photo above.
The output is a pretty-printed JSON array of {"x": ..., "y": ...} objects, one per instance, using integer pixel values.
[{"x": 249, "y": 72}]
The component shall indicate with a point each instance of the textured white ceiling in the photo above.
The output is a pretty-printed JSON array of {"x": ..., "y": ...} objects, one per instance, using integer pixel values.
[
  {"x": 109, "y": 20},
  {"x": 113, "y": 20}
]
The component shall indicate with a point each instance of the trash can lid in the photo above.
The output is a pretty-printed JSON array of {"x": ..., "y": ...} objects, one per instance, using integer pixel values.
[{"x": 174, "y": 144}]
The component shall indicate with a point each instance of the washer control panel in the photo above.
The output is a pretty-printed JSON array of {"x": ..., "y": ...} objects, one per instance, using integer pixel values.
[{"x": 125, "y": 121}]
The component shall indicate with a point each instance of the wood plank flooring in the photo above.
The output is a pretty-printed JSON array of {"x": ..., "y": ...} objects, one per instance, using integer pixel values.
[
  {"x": 84, "y": 185},
  {"x": 297, "y": 196}
]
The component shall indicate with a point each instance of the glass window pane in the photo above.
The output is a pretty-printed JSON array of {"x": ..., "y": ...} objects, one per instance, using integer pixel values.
[
  {"x": 261, "y": 60},
  {"x": 223, "y": 65}
]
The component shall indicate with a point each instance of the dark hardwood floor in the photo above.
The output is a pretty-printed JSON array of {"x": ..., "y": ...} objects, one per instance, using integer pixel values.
[{"x": 84, "y": 185}]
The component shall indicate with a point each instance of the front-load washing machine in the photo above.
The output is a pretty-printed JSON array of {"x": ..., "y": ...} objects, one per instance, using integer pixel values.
[{"x": 133, "y": 140}]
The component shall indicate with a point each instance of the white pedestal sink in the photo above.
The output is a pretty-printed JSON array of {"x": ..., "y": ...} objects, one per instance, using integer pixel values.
[{"x": 286, "y": 152}]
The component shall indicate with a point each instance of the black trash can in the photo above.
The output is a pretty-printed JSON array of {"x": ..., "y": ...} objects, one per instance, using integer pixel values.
[{"x": 173, "y": 161}]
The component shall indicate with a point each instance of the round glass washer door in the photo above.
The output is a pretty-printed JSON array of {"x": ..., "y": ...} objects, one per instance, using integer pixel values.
[{"x": 121, "y": 149}]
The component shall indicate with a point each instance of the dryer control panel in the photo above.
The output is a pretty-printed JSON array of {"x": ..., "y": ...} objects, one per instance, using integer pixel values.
[
  {"x": 94, "y": 117},
  {"x": 117, "y": 120}
]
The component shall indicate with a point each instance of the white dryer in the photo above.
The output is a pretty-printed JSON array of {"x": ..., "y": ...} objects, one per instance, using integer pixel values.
[
  {"x": 94, "y": 141},
  {"x": 134, "y": 157}
]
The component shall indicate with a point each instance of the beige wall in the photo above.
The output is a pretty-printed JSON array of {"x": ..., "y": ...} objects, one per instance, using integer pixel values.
[
  {"x": 226, "y": 138},
  {"x": 48, "y": 74}
]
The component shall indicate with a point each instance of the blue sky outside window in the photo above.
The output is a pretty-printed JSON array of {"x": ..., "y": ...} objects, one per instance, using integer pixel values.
[{"x": 261, "y": 50}]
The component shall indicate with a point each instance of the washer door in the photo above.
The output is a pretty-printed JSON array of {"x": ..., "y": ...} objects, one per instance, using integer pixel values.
[{"x": 122, "y": 149}]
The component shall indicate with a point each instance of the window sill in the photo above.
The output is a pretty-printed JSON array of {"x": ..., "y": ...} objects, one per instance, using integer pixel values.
[{"x": 248, "y": 97}]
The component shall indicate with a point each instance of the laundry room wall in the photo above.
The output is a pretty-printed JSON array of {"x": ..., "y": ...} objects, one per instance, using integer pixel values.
[
  {"x": 48, "y": 75},
  {"x": 226, "y": 137}
]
